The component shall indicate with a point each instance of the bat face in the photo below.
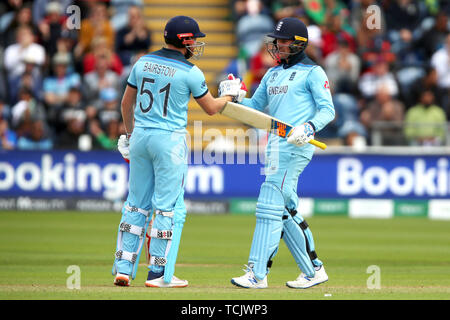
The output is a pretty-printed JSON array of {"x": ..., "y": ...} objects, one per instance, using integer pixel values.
[
  {"x": 279, "y": 128},
  {"x": 261, "y": 120}
]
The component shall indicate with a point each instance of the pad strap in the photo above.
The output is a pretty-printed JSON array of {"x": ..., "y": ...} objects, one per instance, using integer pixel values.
[
  {"x": 135, "y": 209},
  {"x": 125, "y": 255},
  {"x": 126, "y": 227},
  {"x": 161, "y": 234},
  {"x": 159, "y": 261},
  {"x": 304, "y": 225},
  {"x": 292, "y": 212},
  {"x": 165, "y": 213}
]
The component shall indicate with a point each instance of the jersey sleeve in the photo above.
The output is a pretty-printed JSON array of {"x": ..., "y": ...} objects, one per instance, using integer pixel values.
[
  {"x": 319, "y": 87},
  {"x": 197, "y": 83},
  {"x": 259, "y": 99},
  {"x": 132, "y": 79}
]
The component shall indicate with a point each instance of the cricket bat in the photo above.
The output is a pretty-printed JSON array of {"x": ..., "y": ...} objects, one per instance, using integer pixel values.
[{"x": 261, "y": 120}]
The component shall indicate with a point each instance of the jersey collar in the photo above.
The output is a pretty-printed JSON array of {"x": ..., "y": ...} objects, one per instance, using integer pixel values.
[{"x": 293, "y": 60}]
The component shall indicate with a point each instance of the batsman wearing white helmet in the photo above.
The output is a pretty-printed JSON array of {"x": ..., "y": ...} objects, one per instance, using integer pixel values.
[
  {"x": 296, "y": 91},
  {"x": 154, "y": 110}
]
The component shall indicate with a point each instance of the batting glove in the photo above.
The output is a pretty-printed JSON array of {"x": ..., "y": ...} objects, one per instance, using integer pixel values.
[
  {"x": 233, "y": 87},
  {"x": 123, "y": 145},
  {"x": 301, "y": 135}
]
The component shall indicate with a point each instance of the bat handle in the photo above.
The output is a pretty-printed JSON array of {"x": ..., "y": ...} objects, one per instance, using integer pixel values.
[{"x": 318, "y": 144}]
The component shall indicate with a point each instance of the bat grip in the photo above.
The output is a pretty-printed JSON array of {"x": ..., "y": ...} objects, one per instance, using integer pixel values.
[{"x": 318, "y": 144}]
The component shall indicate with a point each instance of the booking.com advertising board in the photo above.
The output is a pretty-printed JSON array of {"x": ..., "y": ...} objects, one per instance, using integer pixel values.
[{"x": 103, "y": 175}]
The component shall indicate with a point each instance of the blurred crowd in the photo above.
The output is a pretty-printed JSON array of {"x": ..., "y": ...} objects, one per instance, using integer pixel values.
[
  {"x": 388, "y": 63},
  {"x": 63, "y": 70}
]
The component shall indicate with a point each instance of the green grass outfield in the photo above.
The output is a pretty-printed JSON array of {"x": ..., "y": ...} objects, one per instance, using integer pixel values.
[{"x": 36, "y": 249}]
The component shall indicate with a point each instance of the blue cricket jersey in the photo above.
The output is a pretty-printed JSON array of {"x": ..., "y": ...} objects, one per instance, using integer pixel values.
[
  {"x": 294, "y": 93},
  {"x": 164, "y": 80}
]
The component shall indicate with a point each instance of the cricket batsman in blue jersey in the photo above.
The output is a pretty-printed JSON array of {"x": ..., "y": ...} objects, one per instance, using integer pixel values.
[
  {"x": 295, "y": 91},
  {"x": 154, "y": 110}
]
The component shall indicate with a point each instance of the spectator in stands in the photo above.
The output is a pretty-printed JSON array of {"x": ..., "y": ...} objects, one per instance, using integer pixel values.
[
  {"x": 432, "y": 40},
  {"x": 40, "y": 8},
  {"x": 240, "y": 8},
  {"x": 346, "y": 125},
  {"x": 425, "y": 123},
  {"x": 314, "y": 48},
  {"x": 5, "y": 111},
  {"x": 52, "y": 26},
  {"x": 75, "y": 128},
  {"x": 320, "y": 11},
  {"x": 441, "y": 62},
  {"x": 100, "y": 48},
  {"x": 104, "y": 121},
  {"x": 253, "y": 27},
  {"x": 25, "y": 46},
  {"x": 287, "y": 8},
  {"x": 30, "y": 78},
  {"x": 3, "y": 86},
  {"x": 56, "y": 87},
  {"x": 72, "y": 108},
  {"x": 134, "y": 37},
  {"x": 120, "y": 16},
  {"x": 8, "y": 137},
  {"x": 8, "y": 11},
  {"x": 388, "y": 111},
  {"x": 86, "y": 7},
  {"x": 402, "y": 15},
  {"x": 100, "y": 78},
  {"x": 370, "y": 36},
  {"x": 65, "y": 44},
  {"x": 428, "y": 82},
  {"x": 343, "y": 68},
  {"x": 97, "y": 25},
  {"x": 26, "y": 111},
  {"x": 371, "y": 82},
  {"x": 109, "y": 108},
  {"x": 22, "y": 18},
  {"x": 359, "y": 14},
  {"x": 106, "y": 140},
  {"x": 36, "y": 139},
  {"x": 403, "y": 18},
  {"x": 333, "y": 33}
]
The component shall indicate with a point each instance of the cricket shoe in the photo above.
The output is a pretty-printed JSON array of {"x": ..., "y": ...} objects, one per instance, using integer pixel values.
[
  {"x": 249, "y": 281},
  {"x": 156, "y": 280},
  {"x": 122, "y": 280},
  {"x": 304, "y": 282}
]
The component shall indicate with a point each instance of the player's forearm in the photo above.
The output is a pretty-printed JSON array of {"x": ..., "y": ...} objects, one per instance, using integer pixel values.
[
  {"x": 128, "y": 117},
  {"x": 259, "y": 99},
  {"x": 322, "y": 118},
  {"x": 127, "y": 108},
  {"x": 212, "y": 105}
]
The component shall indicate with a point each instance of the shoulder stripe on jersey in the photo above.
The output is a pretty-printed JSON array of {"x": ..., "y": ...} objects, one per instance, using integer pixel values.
[
  {"x": 169, "y": 60},
  {"x": 309, "y": 66}
]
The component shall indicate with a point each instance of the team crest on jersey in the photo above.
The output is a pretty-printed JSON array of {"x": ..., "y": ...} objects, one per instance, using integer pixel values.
[
  {"x": 273, "y": 76},
  {"x": 292, "y": 76}
]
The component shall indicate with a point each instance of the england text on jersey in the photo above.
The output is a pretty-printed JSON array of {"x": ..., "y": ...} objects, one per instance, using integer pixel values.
[{"x": 278, "y": 90}]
